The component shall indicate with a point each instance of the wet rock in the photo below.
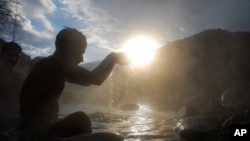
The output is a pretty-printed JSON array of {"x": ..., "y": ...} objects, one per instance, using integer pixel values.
[
  {"x": 223, "y": 134},
  {"x": 218, "y": 111},
  {"x": 197, "y": 128},
  {"x": 130, "y": 107},
  {"x": 186, "y": 111},
  {"x": 237, "y": 99}
]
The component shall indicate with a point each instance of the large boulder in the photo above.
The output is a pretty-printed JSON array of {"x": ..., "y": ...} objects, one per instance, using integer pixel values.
[
  {"x": 237, "y": 98},
  {"x": 186, "y": 111},
  {"x": 130, "y": 107},
  {"x": 197, "y": 128}
]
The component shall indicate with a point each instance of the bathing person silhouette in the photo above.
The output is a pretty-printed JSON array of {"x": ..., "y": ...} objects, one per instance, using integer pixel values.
[
  {"x": 10, "y": 80},
  {"x": 44, "y": 84}
]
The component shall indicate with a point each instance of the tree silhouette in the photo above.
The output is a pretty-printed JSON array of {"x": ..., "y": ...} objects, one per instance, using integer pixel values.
[{"x": 10, "y": 18}]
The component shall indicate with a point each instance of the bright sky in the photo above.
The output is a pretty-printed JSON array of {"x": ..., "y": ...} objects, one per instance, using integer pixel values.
[{"x": 108, "y": 24}]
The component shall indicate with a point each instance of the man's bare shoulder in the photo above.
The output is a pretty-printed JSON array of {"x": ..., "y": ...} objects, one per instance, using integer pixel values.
[
  {"x": 45, "y": 63},
  {"x": 45, "y": 67},
  {"x": 41, "y": 61}
]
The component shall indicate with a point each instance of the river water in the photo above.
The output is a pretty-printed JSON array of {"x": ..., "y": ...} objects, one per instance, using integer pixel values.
[{"x": 143, "y": 124}]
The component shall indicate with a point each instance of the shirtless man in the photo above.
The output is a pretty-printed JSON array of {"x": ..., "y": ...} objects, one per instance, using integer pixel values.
[{"x": 43, "y": 86}]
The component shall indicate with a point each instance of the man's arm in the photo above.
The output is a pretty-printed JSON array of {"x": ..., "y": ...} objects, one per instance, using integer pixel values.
[{"x": 84, "y": 77}]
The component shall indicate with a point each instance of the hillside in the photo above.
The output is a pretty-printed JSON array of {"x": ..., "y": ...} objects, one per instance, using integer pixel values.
[{"x": 200, "y": 68}]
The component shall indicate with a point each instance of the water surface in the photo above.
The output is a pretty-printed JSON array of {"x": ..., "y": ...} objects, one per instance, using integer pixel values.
[{"x": 143, "y": 124}]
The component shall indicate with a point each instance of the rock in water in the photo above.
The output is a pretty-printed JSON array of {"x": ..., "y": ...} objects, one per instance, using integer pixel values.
[
  {"x": 197, "y": 128},
  {"x": 186, "y": 111},
  {"x": 130, "y": 107},
  {"x": 237, "y": 98},
  {"x": 102, "y": 136}
]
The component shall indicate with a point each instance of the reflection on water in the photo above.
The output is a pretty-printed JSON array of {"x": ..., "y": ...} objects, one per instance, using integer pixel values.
[
  {"x": 140, "y": 125},
  {"x": 141, "y": 120}
]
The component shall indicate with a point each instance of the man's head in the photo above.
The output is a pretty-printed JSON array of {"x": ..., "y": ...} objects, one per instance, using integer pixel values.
[
  {"x": 10, "y": 53},
  {"x": 71, "y": 44}
]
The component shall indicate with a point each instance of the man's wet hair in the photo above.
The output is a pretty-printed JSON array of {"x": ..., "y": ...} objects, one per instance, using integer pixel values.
[
  {"x": 68, "y": 35},
  {"x": 7, "y": 46}
]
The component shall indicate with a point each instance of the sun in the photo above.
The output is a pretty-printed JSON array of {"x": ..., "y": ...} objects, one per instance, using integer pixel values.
[{"x": 140, "y": 50}]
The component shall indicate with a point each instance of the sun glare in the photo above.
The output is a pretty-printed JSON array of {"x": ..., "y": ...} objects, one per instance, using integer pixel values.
[{"x": 140, "y": 50}]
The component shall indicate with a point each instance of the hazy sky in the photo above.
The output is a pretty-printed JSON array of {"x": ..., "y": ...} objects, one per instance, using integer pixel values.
[{"x": 109, "y": 23}]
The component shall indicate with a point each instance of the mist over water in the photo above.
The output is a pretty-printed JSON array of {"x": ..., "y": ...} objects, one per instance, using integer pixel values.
[{"x": 142, "y": 123}]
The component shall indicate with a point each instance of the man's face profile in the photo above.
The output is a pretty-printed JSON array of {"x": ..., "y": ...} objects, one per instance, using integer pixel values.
[
  {"x": 75, "y": 51},
  {"x": 72, "y": 44}
]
